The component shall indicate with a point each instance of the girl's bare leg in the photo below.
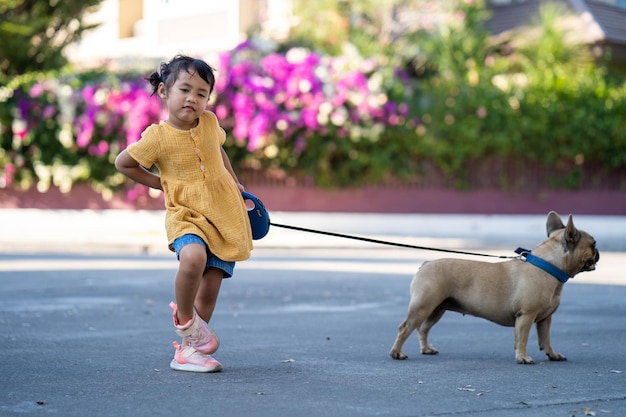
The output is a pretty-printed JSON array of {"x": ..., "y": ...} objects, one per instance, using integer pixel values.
[
  {"x": 206, "y": 297},
  {"x": 192, "y": 259}
]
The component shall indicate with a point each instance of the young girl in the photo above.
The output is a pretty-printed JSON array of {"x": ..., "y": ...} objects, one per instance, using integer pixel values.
[{"x": 206, "y": 217}]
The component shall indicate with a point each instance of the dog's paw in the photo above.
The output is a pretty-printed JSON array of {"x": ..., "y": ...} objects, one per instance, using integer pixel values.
[
  {"x": 429, "y": 350},
  {"x": 398, "y": 355},
  {"x": 556, "y": 357},
  {"x": 525, "y": 360}
]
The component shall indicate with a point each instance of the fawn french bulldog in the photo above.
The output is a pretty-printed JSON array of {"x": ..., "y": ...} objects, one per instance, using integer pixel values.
[{"x": 514, "y": 293}]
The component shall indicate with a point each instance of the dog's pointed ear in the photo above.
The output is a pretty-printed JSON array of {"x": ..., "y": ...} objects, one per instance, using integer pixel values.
[
  {"x": 554, "y": 222},
  {"x": 571, "y": 233}
]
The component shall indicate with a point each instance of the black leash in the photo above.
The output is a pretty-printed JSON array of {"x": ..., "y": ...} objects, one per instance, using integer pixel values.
[
  {"x": 402, "y": 245},
  {"x": 260, "y": 224}
]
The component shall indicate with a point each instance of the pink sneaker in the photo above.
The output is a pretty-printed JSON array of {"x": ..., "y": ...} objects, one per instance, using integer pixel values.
[
  {"x": 196, "y": 333},
  {"x": 186, "y": 358}
]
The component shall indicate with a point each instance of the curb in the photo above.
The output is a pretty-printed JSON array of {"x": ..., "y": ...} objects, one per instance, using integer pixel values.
[{"x": 143, "y": 231}]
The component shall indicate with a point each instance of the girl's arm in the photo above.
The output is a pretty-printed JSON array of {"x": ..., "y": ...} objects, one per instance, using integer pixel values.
[
  {"x": 125, "y": 164},
  {"x": 229, "y": 168}
]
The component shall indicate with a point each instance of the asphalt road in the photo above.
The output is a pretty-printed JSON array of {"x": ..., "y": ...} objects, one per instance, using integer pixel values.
[{"x": 304, "y": 332}]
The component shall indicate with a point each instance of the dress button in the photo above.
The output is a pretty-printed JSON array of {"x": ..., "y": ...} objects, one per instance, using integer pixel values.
[
  {"x": 198, "y": 150},
  {"x": 201, "y": 167}
]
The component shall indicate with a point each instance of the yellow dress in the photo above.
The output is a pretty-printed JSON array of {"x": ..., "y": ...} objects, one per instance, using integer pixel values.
[{"x": 201, "y": 196}]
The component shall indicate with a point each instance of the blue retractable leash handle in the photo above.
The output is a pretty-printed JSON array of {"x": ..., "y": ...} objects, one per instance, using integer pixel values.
[{"x": 259, "y": 217}]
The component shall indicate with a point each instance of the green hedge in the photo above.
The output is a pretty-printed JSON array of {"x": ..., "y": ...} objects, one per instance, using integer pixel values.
[{"x": 546, "y": 102}]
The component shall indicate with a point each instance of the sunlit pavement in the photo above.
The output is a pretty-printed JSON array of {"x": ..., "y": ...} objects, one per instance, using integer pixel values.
[
  {"x": 306, "y": 324},
  {"x": 133, "y": 232}
]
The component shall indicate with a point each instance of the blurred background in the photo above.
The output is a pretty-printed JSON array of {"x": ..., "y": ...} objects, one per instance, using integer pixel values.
[{"x": 391, "y": 106}]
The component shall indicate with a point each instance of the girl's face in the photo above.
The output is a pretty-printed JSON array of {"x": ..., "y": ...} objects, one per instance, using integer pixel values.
[{"x": 186, "y": 100}]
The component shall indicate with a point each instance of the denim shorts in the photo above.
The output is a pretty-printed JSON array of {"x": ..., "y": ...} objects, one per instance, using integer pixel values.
[{"x": 212, "y": 261}]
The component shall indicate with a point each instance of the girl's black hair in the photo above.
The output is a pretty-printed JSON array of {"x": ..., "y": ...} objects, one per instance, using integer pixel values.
[{"x": 169, "y": 72}]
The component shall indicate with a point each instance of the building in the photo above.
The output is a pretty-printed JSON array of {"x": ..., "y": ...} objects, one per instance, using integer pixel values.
[
  {"x": 598, "y": 23},
  {"x": 137, "y": 33}
]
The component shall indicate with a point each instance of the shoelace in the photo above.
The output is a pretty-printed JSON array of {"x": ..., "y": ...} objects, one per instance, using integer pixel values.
[{"x": 195, "y": 337}]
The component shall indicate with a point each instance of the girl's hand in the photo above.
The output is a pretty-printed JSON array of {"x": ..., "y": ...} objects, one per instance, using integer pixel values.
[{"x": 241, "y": 187}]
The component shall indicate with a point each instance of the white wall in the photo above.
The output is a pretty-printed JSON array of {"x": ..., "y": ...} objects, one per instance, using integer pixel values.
[{"x": 168, "y": 27}]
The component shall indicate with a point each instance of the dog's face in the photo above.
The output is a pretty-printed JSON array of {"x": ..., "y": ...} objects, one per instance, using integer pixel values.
[{"x": 577, "y": 243}]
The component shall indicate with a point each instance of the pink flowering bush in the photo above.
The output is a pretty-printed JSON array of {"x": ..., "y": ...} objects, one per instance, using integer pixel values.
[
  {"x": 67, "y": 130},
  {"x": 335, "y": 120},
  {"x": 331, "y": 119}
]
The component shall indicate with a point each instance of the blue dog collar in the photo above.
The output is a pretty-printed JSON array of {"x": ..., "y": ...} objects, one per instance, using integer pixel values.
[
  {"x": 544, "y": 265},
  {"x": 259, "y": 217}
]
